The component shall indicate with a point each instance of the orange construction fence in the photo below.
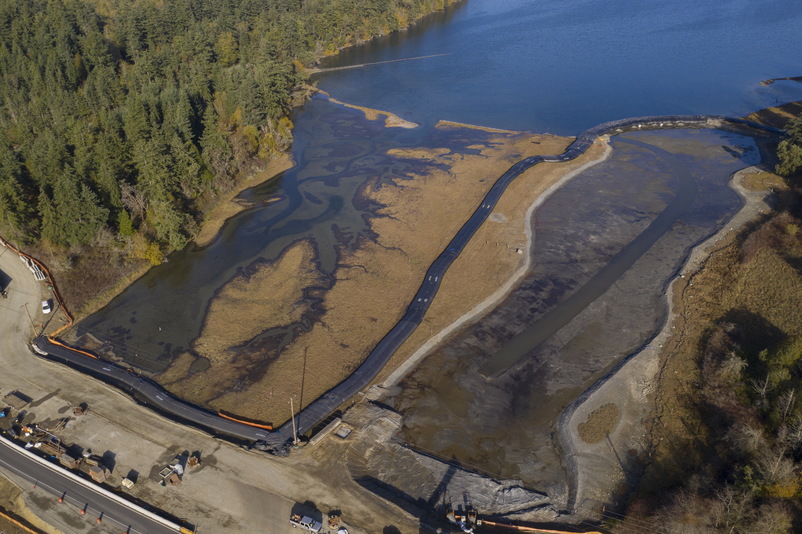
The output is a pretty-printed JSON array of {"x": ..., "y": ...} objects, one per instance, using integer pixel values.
[
  {"x": 60, "y": 344},
  {"x": 52, "y": 284},
  {"x": 533, "y": 529},
  {"x": 70, "y": 321},
  {"x": 18, "y": 524},
  {"x": 257, "y": 425}
]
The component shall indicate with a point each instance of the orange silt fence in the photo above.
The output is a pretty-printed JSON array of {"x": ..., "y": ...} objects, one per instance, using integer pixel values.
[
  {"x": 256, "y": 425},
  {"x": 70, "y": 321},
  {"x": 52, "y": 282}
]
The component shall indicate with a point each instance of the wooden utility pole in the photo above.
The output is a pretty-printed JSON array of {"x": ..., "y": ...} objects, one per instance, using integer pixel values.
[{"x": 294, "y": 431}]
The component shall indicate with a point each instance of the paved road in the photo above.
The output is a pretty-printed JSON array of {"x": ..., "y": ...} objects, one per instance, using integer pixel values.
[
  {"x": 116, "y": 515},
  {"x": 279, "y": 441},
  {"x": 148, "y": 392},
  {"x": 15, "y": 324},
  {"x": 316, "y": 412}
]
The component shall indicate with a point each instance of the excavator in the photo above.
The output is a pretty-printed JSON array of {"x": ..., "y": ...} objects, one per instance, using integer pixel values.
[{"x": 466, "y": 522}]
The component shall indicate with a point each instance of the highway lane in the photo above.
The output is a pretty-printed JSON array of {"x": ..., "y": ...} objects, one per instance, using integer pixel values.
[
  {"x": 116, "y": 514},
  {"x": 279, "y": 442}
]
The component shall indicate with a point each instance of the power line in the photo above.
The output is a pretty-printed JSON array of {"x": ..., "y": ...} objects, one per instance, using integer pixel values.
[{"x": 642, "y": 524}]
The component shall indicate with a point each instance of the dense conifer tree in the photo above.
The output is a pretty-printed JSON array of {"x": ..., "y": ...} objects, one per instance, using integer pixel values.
[{"x": 130, "y": 116}]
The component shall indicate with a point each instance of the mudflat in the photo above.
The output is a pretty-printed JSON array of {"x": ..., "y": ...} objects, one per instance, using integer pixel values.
[{"x": 239, "y": 366}]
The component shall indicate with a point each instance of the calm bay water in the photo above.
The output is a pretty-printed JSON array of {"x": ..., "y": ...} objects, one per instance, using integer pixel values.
[{"x": 564, "y": 66}]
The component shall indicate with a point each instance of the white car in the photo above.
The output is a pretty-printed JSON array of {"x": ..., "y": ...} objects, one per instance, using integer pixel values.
[{"x": 46, "y": 308}]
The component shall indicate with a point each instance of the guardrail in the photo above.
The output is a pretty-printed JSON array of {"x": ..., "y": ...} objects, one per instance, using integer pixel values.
[{"x": 30, "y": 456}]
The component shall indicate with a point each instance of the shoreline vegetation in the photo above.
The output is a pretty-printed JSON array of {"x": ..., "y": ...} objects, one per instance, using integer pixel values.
[
  {"x": 131, "y": 137},
  {"x": 711, "y": 406},
  {"x": 628, "y": 389},
  {"x": 227, "y": 206}
]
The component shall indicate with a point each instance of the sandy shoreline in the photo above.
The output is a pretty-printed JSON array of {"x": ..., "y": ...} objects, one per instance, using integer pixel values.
[
  {"x": 501, "y": 293},
  {"x": 391, "y": 120},
  {"x": 598, "y": 469},
  {"x": 227, "y": 206}
]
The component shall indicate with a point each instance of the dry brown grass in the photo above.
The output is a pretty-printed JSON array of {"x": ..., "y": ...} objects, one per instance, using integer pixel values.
[
  {"x": 762, "y": 181},
  {"x": 599, "y": 424},
  {"x": 374, "y": 285},
  {"x": 272, "y": 295},
  {"x": 491, "y": 257},
  {"x": 756, "y": 276},
  {"x": 13, "y": 504},
  {"x": 777, "y": 116},
  {"x": 252, "y": 302},
  {"x": 89, "y": 279}
]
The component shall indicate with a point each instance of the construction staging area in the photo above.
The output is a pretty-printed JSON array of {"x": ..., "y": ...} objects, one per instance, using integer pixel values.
[{"x": 89, "y": 427}]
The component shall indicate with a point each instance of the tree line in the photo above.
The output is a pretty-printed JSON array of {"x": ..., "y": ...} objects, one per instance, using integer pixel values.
[{"x": 125, "y": 119}]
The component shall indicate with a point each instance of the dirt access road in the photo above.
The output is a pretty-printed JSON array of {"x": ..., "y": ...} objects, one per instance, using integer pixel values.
[{"x": 232, "y": 491}]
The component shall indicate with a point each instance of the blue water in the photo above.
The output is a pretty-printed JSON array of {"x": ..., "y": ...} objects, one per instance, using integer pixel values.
[{"x": 564, "y": 66}]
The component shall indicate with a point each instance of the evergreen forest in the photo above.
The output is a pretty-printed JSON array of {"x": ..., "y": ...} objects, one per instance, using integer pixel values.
[{"x": 121, "y": 121}]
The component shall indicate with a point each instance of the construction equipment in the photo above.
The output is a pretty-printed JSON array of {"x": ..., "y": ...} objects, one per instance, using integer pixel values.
[
  {"x": 173, "y": 472},
  {"x": 521, "y": 528},
  {"x": 467, "y": 522},
  {"x": 99, "y": 473}
]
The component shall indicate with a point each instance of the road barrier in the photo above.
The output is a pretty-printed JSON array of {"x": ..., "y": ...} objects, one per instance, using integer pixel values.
[{"x": 87, "y": 484}]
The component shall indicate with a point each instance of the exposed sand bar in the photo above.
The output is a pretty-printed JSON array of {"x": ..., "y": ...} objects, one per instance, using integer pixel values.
[
  {"x": 391, "y": 120},
  {"x": 452, "y": 124}
]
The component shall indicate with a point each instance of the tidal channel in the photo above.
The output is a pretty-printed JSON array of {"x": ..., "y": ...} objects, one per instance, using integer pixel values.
[
  {"x": 338, "y": 152},
  {"x": 605, "y": 246}
]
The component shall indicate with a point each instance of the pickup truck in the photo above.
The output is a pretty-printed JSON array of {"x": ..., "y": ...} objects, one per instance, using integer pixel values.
[{"x": 306, "y": 523}]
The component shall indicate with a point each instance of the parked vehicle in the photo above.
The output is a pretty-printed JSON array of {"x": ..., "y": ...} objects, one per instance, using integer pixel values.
[
  {"x": 305, "y": 522},
  {"x": 46, "y": 307}
]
